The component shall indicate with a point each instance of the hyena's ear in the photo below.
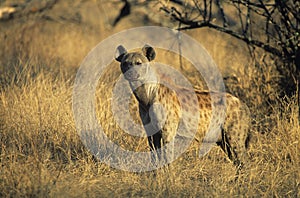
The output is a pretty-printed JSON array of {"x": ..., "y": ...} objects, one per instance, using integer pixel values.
[
  {"x": 149, "y": 52},
  {"x": 120, "y": 52}
]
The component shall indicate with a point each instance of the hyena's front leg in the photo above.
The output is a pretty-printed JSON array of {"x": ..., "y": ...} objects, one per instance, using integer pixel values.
[
  {"x": 154, "y": 142},
  {"x": 153, "y": 131},
  {"x": 156, "y": 129},
  {"x": 168, "y": 143}
]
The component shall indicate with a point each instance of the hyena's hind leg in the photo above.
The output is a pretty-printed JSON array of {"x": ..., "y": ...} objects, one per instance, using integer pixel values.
[
  {"x": 230, "y": 151},
  {"x": 235, "y": 135}
]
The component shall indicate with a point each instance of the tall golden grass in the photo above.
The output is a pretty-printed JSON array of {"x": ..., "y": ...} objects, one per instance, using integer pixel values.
[{"x": 42, "y": 155}]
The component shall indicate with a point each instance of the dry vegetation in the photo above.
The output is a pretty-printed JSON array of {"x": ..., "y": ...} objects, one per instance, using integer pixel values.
[{"x": 42, "y": 155}]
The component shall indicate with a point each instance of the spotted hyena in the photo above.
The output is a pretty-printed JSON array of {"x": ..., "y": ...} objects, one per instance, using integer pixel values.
[{"x": 162, "y": 110}]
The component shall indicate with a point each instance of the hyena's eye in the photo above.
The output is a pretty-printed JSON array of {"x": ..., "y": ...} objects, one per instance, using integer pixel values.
[{"x": 138, "y": 63}]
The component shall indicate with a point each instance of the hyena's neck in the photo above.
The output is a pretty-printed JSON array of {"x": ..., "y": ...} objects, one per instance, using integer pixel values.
[{"x": 146, "y": 94}]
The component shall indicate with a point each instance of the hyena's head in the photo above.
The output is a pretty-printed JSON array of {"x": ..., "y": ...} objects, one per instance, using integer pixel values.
[{"x": 135, "y": 65}]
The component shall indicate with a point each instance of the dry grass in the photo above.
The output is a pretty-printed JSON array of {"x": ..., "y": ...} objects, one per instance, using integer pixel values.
[{"x": 41, "y": 153}]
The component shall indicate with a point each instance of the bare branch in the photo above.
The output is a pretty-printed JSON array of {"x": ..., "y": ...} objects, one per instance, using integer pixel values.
[
  {"x": 225, "y": 21},
  {"x": 257, "y": 43}
]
